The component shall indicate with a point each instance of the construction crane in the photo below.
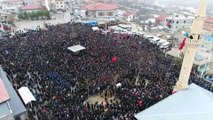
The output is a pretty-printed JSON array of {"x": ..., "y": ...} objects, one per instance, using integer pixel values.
[{"x": 192, "y": 44}]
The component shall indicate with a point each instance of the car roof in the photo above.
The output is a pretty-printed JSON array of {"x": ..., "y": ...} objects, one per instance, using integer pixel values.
[
  {"x": 156, "y": 38},
  {"x": 162, "y": 41},
  {"x": 166, "y": 43}
]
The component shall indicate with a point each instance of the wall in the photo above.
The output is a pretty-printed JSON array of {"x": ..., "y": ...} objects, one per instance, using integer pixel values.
[
  {"x": 179, "y": 23},
  {"x": 130, "y": 18},
  {"x": 103, "y": 14},
  {"x": 60, "y": 5}
]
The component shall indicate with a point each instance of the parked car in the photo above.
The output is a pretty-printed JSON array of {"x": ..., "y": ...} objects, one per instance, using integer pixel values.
[
  {"x": 154, "y": 40},
  {"x": 159, "y": 43}
]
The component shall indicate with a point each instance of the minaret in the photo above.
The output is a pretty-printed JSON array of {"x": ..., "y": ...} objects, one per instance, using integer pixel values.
[{"x": 191, "y": 47}]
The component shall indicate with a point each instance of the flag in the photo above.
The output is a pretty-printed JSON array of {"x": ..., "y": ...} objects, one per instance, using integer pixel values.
[
  {"x": 140, "y": 102},
  {"x": 1, "y": 26},
  {"x": 114, "y": 59},
  {"x": 6, "y": 27},
  {"x": 182, "y": 44}
]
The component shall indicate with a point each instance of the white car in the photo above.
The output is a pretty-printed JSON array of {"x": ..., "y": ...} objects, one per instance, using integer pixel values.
[
  {"x": 148, "y": 37},
  {"x": 154, "y": 40},
  {"x": 161, "y": 42},
  {"x": 165, "y": 45}
]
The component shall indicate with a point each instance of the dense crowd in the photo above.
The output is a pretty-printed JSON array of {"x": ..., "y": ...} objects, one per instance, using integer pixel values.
[{"x": 61, "y": 80}]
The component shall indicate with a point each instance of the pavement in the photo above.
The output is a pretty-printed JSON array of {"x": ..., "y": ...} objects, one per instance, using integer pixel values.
[{"x": 60, "y": 18}]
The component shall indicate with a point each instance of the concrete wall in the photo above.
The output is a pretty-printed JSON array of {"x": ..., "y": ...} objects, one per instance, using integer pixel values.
[{"x": 103, "y": 14}]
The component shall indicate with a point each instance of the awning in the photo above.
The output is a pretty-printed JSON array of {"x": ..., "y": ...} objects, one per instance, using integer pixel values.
[
  {"x": 26, "y": 95},
  {"x": 76, "y": 48}
]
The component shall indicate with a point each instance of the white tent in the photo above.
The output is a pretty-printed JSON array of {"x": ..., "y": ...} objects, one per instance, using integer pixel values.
[
  {"x": 118, "y": 85},
  {"x": 195, "y": 103},
  {"x": 26, "y": 95},
  {"x": 76, "y": 48},
  {"x": 95, "y": 28}
]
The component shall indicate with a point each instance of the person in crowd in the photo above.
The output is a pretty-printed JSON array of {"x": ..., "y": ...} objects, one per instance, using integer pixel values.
[{"x": 61, "y": 80}]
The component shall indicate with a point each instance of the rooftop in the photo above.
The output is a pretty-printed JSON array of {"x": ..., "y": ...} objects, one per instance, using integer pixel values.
[
  {"x": 31, "y": 7},
  {"x": 180, "y": 17},
  {"x": 101, "y": 6},
  {"x": 127, "y": 14},
  {"x": 3, "y": 93},
  {"x": 208, "y": 24},
  {"x": 161, "y": 17}
]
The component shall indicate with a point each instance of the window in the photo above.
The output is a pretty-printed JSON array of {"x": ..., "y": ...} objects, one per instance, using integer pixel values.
[
  {"x": 184, "y": 21},
  {"x": 177, "y": 22},
  {"x": 61, "y": 6},
  {"x": 110, "y": 13},
  {"x": 61, "y": 2},
  {"x": 100, "y": 14}
]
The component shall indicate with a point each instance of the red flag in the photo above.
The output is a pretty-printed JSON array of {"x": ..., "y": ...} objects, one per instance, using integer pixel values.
[
  {"x": 182, "y": 44},
  {"x": 114, "y": 59},
  {"x": 140, "y": 102}
]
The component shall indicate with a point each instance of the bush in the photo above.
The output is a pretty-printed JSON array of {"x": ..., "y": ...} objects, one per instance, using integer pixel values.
[{"x": 34, "y": 15}]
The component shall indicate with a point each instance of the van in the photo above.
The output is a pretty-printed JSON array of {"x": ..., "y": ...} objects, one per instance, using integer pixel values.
[
  {"x": 164, "y": 45},
  {"x": 148, "y": 37},
  {"x": 154, "y": 40}
]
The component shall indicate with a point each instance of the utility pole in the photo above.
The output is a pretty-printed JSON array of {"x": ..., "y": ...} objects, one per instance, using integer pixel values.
[{"x": 191, "y": 47}]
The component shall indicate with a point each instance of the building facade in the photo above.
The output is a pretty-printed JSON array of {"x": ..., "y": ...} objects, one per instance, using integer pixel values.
[
  {"x": 102, "y": 11},
  {"x": 178, "y": 22},
  {"x": 31, "y": 8},
  {"x": 129, "y": 16},
  {"x": 60, "y": 5}
]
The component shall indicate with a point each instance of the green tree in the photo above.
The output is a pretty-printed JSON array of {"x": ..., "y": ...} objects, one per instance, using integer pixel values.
[
  {"x": 20, "y": 16},
  {"x": 25, "y": 15}
]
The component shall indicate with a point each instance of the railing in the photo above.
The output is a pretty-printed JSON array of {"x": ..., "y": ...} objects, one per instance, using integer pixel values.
[{"x": 193, "y": 42}]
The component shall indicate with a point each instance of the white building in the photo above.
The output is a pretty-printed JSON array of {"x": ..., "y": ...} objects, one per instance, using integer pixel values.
[
  {"x": 60, "y": 4},
  {"x": 102, "y": 11},
  {"x": 177, "y": 22},
  {"x": 129, "y": 16}
]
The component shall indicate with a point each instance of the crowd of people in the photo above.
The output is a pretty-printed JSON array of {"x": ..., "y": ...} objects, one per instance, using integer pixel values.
[{"x": 62, "y": 81}]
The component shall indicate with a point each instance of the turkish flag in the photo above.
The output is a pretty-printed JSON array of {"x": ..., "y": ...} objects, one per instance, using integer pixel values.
[
  {"x": 182, "y": 44},
  {"x": 114, "y": 59},
  {"x": 140, "y": 102}
]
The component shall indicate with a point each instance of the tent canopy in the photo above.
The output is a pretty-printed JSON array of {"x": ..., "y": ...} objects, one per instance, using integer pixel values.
[
  {"x": 195, "y": 103},
  {"x": 95, "y": 28},
  {"x": 26, "y": 95},
  {"x": 76, "y": 48}
]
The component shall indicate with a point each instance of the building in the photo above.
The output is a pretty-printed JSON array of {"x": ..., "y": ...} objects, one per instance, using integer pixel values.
[
  {"x": 208, "y": 24},
  {"x": 178, "y": 22},
  {"x": 31, "y": 8},
  {"x": 160, "y": 20},
  {"x": 129, "y": 16},
  {"x": 60, "y": 5},
  {"x": 11, "y": 106},
  {"x": 6, "y": 17},
  {"x": 102, "y": 11},
  {"x": 11, "y": 6}
]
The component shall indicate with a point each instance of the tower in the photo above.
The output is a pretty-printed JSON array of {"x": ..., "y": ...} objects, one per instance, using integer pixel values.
[{"x": 191, "y": 47}]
